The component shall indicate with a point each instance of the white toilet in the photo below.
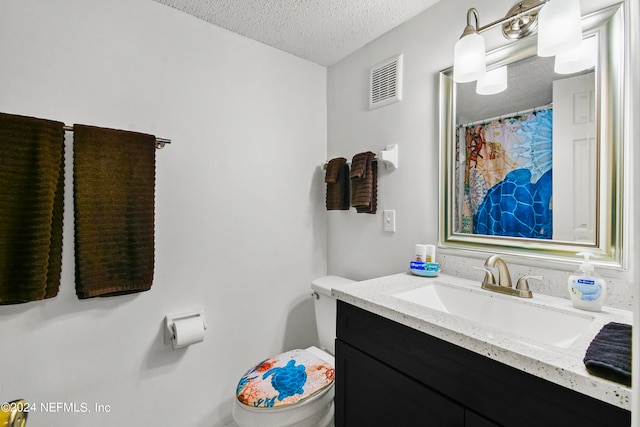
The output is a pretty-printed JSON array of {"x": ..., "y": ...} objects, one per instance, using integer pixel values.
[{"x": 315, "y": 410}]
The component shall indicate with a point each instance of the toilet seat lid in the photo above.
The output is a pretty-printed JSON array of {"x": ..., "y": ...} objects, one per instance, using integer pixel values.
[{"x": 284, "y": 379}]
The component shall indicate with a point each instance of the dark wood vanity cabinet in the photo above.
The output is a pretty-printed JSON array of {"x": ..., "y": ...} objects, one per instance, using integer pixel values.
[{"x": 388, "y": 374}]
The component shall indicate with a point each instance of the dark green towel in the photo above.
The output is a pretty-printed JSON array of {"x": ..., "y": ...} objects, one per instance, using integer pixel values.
[
  {"x": 114, "y": 193},
  {"x": 31, "y": 208}
]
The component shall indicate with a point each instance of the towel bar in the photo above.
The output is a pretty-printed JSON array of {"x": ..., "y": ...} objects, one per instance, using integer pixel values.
[
  {"x": 160, "y": 142},
  {"x": 388, "y": 156}
]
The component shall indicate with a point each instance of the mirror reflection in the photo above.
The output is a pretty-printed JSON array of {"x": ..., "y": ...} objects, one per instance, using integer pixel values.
[
  {"x": 534, "y": 167},
  {"x": 526, "y": 156}
]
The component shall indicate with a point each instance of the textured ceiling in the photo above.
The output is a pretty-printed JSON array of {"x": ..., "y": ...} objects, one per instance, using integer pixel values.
[{"x": 322, "y": 31}]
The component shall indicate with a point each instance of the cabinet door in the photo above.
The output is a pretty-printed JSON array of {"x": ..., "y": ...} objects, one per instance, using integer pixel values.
[
  {"x": 472, "y": 419},
  {"x": 506, "y": 395},
  {"x": 370, "y": 393}
]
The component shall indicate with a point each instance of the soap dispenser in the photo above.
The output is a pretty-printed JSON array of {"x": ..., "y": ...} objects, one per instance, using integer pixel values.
[{"x": 587, "y": 289}]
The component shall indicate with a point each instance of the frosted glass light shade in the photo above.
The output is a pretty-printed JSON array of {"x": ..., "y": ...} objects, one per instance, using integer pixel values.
[
  {"x": 581, "y": 58},
  {"x": 469, "y": 61},
  {"x": 492, "y": 82},
  {"x": 559, "y": 27}
]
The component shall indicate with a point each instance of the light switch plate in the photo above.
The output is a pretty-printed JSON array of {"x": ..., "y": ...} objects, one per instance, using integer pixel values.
[{"x": 389, "y": 221}]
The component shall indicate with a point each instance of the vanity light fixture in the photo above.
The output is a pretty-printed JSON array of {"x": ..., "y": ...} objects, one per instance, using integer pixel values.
[
  {"x": 469, "y": 53},
  {"x": 557, "y": 24},
  {"x": 581, "y": 58},
  {"x": 492, "y": 82},
  {"x": 559, "y": 29}
]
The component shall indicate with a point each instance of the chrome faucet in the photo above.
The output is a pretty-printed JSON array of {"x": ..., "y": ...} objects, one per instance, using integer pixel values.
[{"x": 503, "y": 284}]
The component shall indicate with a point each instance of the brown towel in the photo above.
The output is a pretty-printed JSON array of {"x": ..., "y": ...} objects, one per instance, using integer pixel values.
[
  {"x": 364, "y": 183},
  {"x": 31, "y": 208},
  {"x": 114, "y": 196},
  {"x": 336, "y": 177}
]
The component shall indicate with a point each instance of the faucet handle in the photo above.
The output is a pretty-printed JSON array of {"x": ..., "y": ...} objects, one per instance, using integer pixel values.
[
  {"x": 523, "y": 285},
  {"x": 488, "y": 277}
]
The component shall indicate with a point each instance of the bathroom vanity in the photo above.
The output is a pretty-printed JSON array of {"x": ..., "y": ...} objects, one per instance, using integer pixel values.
[{"x": 401, "y": 360}]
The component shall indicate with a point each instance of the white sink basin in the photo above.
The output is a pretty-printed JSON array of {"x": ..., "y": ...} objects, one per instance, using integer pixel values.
[{"x": 553, "y": 326}]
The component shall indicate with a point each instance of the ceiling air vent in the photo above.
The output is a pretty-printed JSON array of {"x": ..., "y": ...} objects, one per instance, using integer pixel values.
[{"x": 385, "y": 83}]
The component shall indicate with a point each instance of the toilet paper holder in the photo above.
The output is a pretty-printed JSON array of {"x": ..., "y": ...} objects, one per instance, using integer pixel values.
[{"x": 169, "y": 321}]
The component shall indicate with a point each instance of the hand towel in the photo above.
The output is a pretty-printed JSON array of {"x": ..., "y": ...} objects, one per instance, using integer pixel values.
[
  {"x": 336, "y": 177},
  {"x": 114, "y": 196},
  {"x": 364, "y": 183},
  {"x": 31, "y": 208},
  {"x": 609, "y": 354}
]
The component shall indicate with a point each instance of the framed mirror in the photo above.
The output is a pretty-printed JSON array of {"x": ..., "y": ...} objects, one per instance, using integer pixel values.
[{"x": 537, "y": 169}]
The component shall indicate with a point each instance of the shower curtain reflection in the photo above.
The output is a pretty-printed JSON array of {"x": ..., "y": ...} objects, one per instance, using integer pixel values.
[{"x": 504, "y": 176}]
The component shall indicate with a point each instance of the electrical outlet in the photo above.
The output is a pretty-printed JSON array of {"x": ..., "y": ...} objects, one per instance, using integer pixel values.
[{"x": 389, "y": 221}]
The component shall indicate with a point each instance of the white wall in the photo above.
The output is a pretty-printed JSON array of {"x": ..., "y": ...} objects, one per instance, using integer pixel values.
[
  {"x": 240, "y": 222},
  {"x": 240, "y": 227},
  {"x": 358, "y": 247}
]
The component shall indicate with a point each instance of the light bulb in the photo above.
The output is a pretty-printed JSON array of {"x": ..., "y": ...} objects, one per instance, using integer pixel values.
[
  {"x": 559, "y": 27},
  {"x": 492, "y": 82},
  {"x": 469, "y": 61},
  {"x": 581, "y": 58}
]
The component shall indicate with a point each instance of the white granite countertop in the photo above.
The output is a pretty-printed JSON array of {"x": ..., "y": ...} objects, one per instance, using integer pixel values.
[{"x": 562, "y": 366}]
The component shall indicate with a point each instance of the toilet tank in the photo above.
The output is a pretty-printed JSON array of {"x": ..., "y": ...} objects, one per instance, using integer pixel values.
[{"x": 325, "y": 308}]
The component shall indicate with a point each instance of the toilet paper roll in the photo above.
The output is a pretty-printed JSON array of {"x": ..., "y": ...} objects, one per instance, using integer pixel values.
[{"x": 187, "y": 331}]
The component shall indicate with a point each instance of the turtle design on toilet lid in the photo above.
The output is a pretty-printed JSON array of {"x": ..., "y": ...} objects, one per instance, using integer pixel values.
[{"x": 284, "y": 379}]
